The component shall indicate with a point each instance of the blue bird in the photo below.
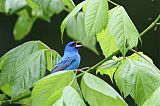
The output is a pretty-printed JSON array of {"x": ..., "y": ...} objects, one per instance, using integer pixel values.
[{"x": 71, "y": 58}]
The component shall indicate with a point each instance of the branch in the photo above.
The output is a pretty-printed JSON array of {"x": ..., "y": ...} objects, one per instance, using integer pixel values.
[
  {"x": 100, "y": 63},
  {"x": 151, "y": 26}
]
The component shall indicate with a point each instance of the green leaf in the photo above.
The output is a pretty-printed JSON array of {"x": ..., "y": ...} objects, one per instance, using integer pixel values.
[
  {"x": 138, "y": 79},
  {"x": 70, "y": 15},
  {"x": 141, "y": 57},
  {"x": 3, "y": 97},
  {"x": 42, "y": 4},
  {"x": 28, "y": 71},
  {"x": 98, "y": 93},
  {"x": 26, "y": 102},
  {"x": 96, "y": 16},
  {"x": 107, "y": 42},
  {"x": 6, "y": 89},
  {"x": 52, "y": 59},
  {"x": 2, "y": 6},
  {"x": 11, "y": 6},
  {"x": 75, "y": 29},
  {"x": 71, "y": 97},
  {"x": 49, "y": 90},
  {"x": 45, "y": 8},
  {"x": 22, "y": 66},
  {"x": 121, "y": 26},
  {"x": 57, "y": 6},
  {"x": 109, "y": 67},
  {"x": 154, "y": 100},
  {"x": 21, "y": 30}
]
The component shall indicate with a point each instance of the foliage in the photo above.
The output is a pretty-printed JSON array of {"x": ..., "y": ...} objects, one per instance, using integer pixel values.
[{"x": 91, "y": 21}]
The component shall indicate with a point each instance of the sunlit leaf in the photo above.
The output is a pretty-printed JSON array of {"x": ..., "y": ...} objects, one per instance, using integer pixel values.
[
  {"x": 52, "y": 88},
  {"x": 138, "y": 79},
  {"x": 71, "y": 97},
  {"x": 96, "y": 16},
  {"x": 98, "y": 93},
  {"x": 121, "y": 26},
  {"x": 107, "y": 42}
]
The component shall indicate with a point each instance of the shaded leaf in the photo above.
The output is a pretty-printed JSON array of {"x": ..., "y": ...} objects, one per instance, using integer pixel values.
[
  {"x": 121, "y": 26},
  {"x": 23, "y": 25},
  {"x": 70, "y": 15},
  {"x": 96, "y": 16},
  {"x": 98, "y": 93},
  {"x": 76, "y": 30}
]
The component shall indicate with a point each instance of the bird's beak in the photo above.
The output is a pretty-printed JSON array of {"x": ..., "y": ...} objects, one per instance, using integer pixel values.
[{"x": 78, "y": 44}]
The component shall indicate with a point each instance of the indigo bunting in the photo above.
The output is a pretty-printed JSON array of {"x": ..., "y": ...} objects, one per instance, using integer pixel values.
[{"x": 71, "y": 58}]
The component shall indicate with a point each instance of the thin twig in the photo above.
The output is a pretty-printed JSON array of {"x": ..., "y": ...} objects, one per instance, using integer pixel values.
[
  {"x": 151, "y": 26},
  {"x": 113, "y": 3}
]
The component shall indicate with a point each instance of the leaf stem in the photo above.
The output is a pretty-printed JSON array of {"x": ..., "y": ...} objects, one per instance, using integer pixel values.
[
  {"x": 150, "y": 26},
  {"x": 113, "y": 3},
  {"x": 100, "y": 63}
]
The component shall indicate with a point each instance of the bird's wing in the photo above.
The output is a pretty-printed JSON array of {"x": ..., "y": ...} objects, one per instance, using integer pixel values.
[{"x": 63, "y": 64}]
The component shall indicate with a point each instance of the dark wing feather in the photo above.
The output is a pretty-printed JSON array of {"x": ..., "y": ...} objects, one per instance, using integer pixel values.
[{"x": 63, "y": 64}]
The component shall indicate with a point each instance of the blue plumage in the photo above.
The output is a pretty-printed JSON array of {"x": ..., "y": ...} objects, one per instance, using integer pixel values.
[{"x": 71, "y": 58}]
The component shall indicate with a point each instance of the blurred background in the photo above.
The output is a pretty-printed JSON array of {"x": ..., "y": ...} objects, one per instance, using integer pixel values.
[{"x": 142, "y": 13}]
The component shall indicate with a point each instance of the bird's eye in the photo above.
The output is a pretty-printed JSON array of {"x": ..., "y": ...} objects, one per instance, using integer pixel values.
[{"x": 73, "y": 44}]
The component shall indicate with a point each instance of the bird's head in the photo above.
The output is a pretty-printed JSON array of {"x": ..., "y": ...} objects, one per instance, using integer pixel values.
[{"x": 72, "y": 46}]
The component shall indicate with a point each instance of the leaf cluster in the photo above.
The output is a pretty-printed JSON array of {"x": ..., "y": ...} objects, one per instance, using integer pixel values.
[{"x": 91, "y": 21}]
